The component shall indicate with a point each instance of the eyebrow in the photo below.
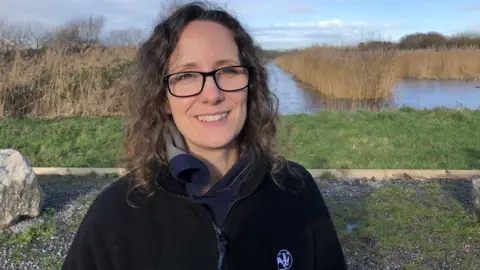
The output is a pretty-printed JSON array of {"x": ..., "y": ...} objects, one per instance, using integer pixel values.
[{"x": 194, "y": 65}]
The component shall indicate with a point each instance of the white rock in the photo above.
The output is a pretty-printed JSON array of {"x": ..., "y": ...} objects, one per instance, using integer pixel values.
[
  {"x": 476, "y": 195},
  {"x": 20, "y": 194}
]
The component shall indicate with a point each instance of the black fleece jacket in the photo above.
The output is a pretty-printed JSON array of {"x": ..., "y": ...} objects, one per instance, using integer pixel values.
[{"x": 266, "y": 227}]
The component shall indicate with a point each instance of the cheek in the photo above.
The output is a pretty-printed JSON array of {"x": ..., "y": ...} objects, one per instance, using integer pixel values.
[
  {"x": 238, "y": 98},
  {"x": 178, "y": 106}
]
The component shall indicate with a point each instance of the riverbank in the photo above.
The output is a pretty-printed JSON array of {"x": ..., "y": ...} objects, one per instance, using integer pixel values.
[
  {"x": 399, "y": 139},
  {"x": 95, "y": 80},
  {"x": 401, "y": 224},
  {"x": 348, "y": 73}
]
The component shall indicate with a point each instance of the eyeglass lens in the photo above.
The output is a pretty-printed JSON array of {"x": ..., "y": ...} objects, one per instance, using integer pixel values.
[{"x": 191, "y": 83}]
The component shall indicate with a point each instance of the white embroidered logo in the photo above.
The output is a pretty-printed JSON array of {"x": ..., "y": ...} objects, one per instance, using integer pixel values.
[{"x": 284, "y": 260}]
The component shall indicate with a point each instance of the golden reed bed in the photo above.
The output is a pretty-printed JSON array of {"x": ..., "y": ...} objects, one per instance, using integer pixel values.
[
  {"x": 64, "y": 82},
  {"x": 372, "y": 74},
  {"x": 93, "y": 81}
]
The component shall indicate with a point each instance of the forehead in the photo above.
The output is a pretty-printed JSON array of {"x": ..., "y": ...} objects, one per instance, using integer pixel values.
[{"x": 203, "y": 43}]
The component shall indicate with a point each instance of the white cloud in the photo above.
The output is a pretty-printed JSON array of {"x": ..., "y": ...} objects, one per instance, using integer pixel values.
[
  {"x": 253, "y": 13},
  {"x": 55, "y": 12},
  {"x": 333, "y": 31},
  {"x": 248, "y": 9},
  {"x": 119, "y": 13}
]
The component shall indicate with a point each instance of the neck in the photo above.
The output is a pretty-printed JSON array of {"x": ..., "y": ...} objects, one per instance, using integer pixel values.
[{"x": 218, "y": 161}]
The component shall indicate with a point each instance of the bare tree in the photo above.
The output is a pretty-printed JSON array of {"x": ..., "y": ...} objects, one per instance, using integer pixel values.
[
  {"x": 13, "y": 33},
  {"x": 123, "y": 37},
  {"x": 33, "y": 34},
  {"x": 68, "y": 35},
  {"x": 30, "y": 34},
  {"x": 39, "y": 35},
  {"x": 79, "y": 31},
  {"x": 90, "y": 28}
]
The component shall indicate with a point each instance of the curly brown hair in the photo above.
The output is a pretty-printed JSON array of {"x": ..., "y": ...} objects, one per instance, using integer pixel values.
[{"x": 145, "y": 144}]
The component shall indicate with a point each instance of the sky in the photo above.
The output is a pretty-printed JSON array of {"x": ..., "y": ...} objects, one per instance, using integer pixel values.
[{"x": 275, "y": 24}]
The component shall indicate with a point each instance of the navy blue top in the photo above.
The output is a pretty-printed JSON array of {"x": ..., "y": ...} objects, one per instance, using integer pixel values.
[{"x": 196, "y": 176}]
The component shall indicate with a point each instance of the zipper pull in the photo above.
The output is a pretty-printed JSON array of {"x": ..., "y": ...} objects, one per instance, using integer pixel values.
[{"x": 221, "y": 246}]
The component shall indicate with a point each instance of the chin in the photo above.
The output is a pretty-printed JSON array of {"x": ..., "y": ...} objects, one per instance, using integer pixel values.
[{"x": 214, "y": 142}]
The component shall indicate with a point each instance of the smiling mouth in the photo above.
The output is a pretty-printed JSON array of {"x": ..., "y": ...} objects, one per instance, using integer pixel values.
[{"x": 212, "y": 118}]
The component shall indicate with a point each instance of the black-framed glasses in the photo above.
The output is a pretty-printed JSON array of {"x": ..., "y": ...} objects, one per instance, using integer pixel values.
[{"x": 191, "y": 83}]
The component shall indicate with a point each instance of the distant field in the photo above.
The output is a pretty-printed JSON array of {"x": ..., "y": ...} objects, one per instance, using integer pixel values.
[
  {"x": 401, "y": 139},
  {"x": 372, "y": 74}
]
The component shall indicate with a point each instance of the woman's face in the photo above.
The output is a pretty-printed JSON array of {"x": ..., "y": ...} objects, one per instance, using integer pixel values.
[{"x": 213, "y": 118}]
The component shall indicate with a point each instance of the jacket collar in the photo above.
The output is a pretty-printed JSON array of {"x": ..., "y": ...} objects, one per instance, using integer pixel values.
[{"x": 168, "y": 177}]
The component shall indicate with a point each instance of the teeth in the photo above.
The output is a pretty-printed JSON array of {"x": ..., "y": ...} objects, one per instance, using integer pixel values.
[{"x": 211, "y": 118}]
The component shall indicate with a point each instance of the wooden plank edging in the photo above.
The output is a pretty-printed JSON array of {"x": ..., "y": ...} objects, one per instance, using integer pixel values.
[
  {"x": 316, "y": 173},
  {"x": 77, "y": 171},
  {"x": 395, "y": 173}
]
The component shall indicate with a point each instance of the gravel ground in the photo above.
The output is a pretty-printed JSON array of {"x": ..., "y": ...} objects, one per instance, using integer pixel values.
[
  {"x": 354, "y": 191},
  {"x": 71, "y": 202}
]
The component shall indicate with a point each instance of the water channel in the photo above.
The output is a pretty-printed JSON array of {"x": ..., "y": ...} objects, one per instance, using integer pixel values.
[{"x": 418, "y": 94}]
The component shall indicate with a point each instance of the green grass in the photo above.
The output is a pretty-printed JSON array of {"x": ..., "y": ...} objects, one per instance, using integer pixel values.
[
  {"x": 424, "y": 218},
  {"x": 22, "y": 241},
  {"x": 65, "y": 142},
  {"x": 401, "y": 139}
]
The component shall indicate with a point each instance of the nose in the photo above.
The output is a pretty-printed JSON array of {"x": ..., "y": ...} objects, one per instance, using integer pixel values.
[{"x": 211, "y": 93}]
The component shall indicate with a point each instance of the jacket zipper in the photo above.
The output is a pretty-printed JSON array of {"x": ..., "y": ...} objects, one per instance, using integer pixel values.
[
  {"x": 219, "y": 232},
  {"x": 221, "y": 239}
]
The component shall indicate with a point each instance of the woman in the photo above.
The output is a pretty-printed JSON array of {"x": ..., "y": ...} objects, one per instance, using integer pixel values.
[{"x": 205, "y": 189}]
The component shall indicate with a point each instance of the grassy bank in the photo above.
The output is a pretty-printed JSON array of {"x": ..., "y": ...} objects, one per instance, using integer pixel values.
[
  {"x": 401, "y": 139},
  {"x": 371, "y": 74}
]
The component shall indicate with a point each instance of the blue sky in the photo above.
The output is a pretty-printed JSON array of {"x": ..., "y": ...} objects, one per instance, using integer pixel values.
[{"x": 276, "y": 24}]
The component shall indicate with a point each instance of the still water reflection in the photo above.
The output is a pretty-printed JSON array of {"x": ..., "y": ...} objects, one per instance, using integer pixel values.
[
  {"x": 292, "y": 98},
  {"x": 414, "y": 93},
  {"x": 432, "y": 93}
]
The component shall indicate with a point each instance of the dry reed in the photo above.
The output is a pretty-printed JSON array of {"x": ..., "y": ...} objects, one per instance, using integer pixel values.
[
  {"x": 458, "y": 64},
  {"x": 341, "y": 73},
  {"x": 59, "y": 82}
]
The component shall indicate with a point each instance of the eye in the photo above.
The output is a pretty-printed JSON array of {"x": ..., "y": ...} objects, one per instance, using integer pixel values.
[
  {"x": 230, "y": 70},
  {"x": 184, "y": 76}
]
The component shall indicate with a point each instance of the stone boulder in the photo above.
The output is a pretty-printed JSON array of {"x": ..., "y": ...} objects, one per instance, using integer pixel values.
[
  {"x": 476, "y": 195},
  {"x": 20, "y": 194}
]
